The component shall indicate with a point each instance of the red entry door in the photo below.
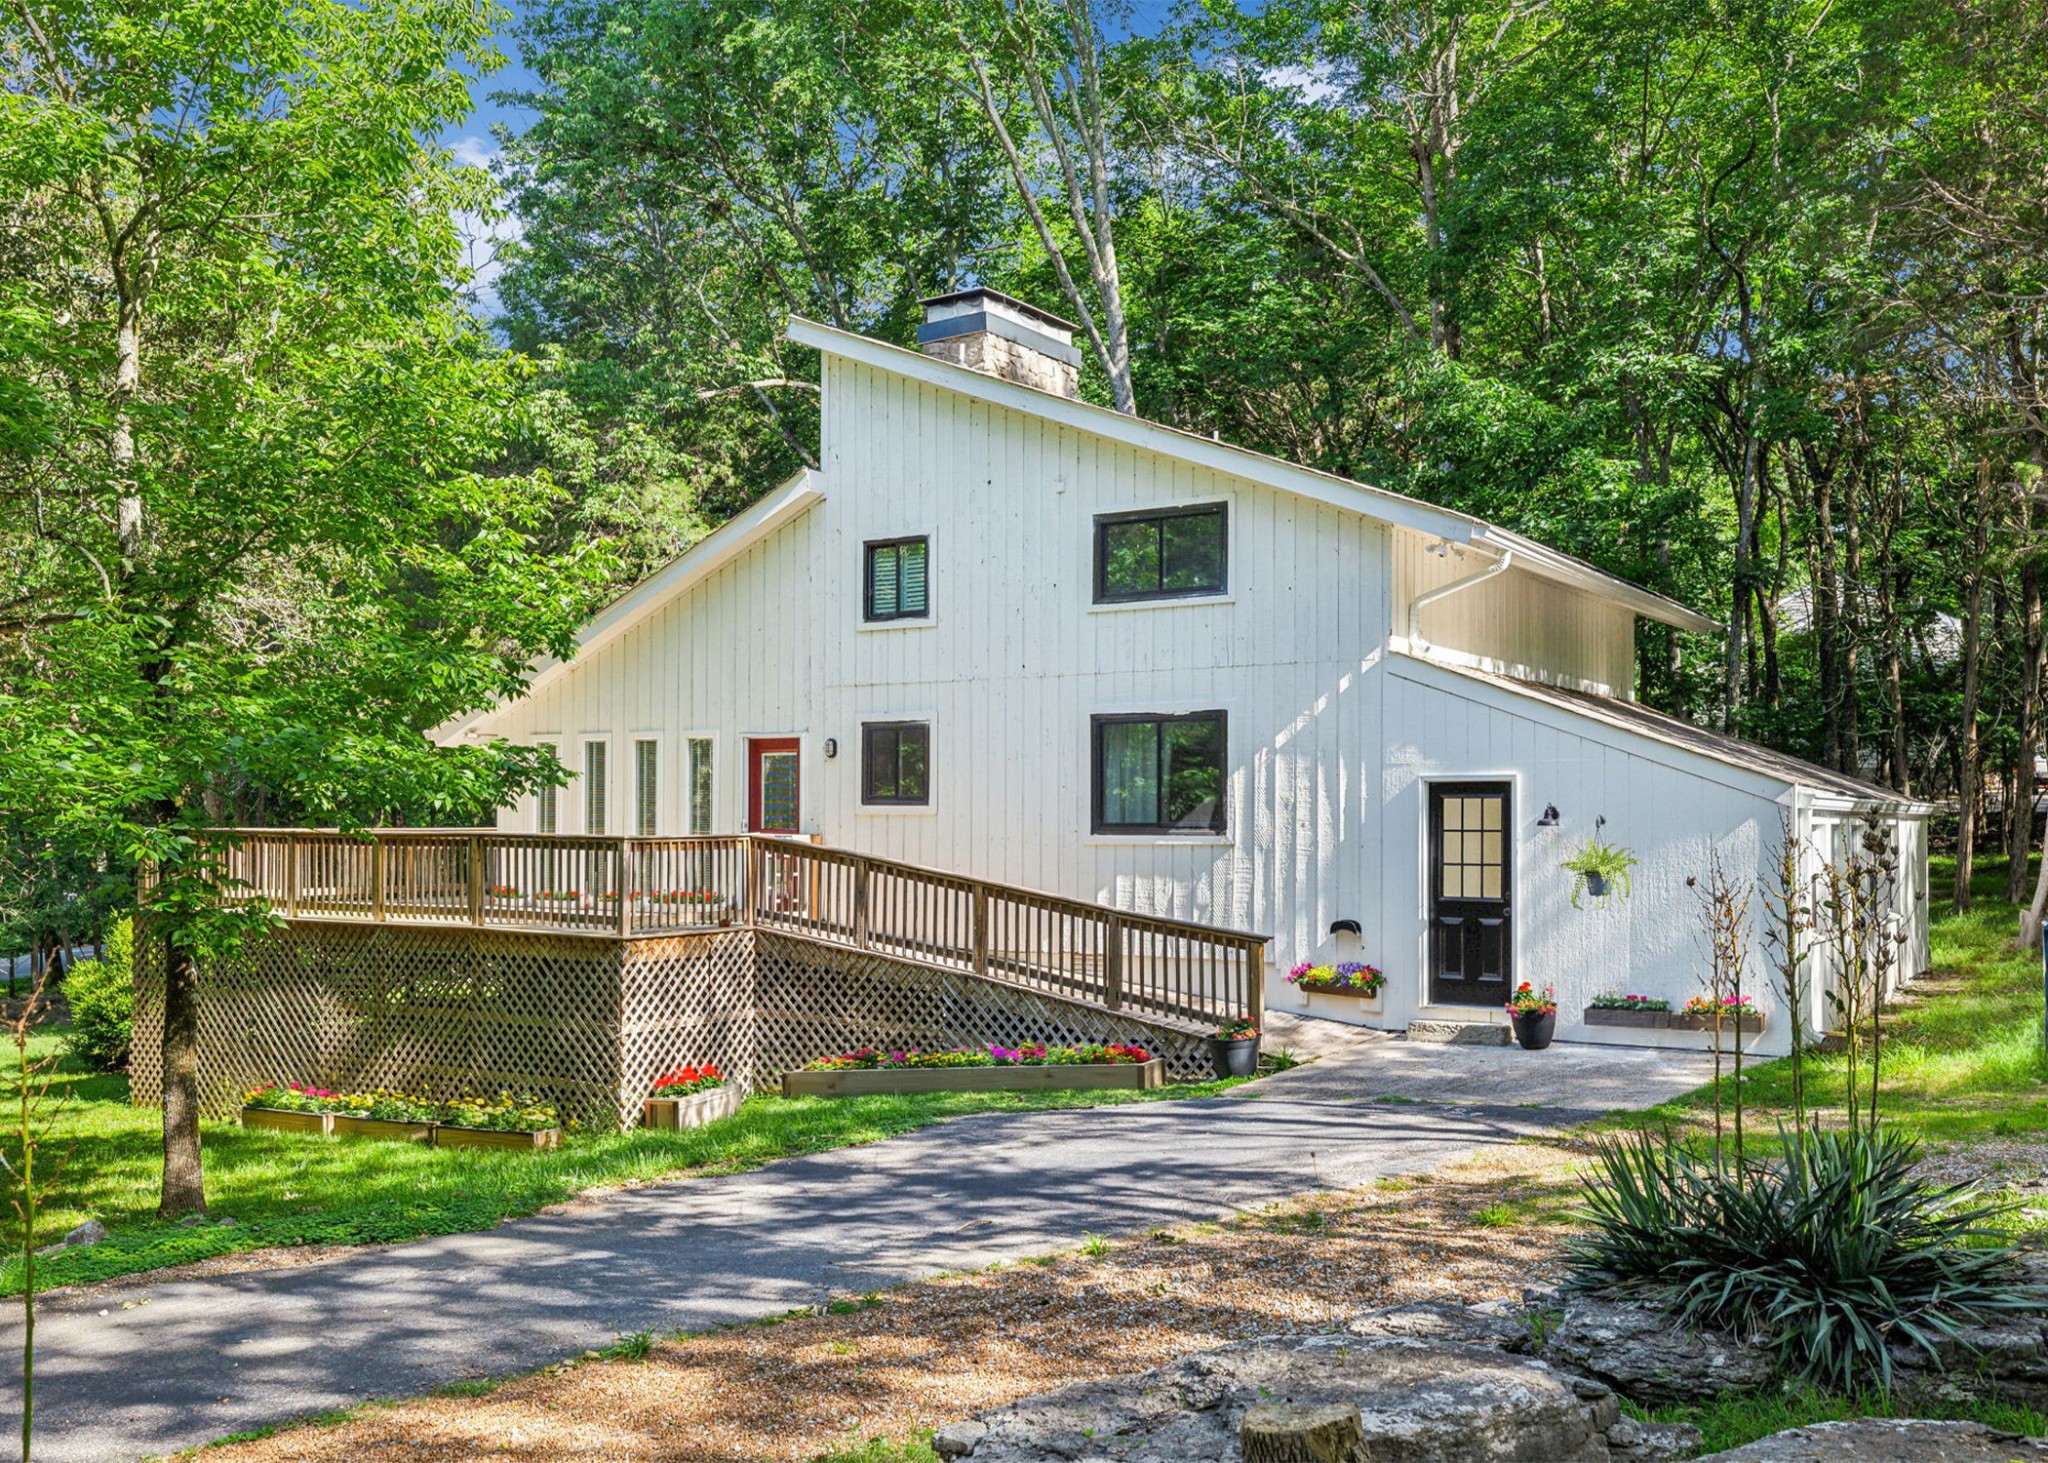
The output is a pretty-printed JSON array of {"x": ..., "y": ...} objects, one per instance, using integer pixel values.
[{"x": 774, "y": 785}]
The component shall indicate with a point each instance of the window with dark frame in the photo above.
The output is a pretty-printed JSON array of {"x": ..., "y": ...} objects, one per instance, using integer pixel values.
[
  {"x": 898, "y": 582},
  {"x": 1161, "y": 774},
  {"x": 895, "y": 762},
  {"x": 1162, "y": 554}
]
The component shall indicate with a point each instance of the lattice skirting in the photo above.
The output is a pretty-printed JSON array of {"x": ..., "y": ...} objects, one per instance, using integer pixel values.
[{"x": 587, "y": 1022}]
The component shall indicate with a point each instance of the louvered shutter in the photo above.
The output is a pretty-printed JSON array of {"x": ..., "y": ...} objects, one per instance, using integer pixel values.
[
  {"x": 882, "y": 582},
  {"x": 911, "y": 579},
  {"x": 545, "y": 801},
  {"x": 700, "y": 784}
]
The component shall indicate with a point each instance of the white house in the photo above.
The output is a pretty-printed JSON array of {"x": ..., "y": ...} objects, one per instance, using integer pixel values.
[{"x": 1010, "y": 634}]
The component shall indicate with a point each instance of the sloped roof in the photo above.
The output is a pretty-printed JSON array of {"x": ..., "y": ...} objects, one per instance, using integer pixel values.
[
  {"x": 1274, "y": 472},
  {"x": 1674, "y": 731}
]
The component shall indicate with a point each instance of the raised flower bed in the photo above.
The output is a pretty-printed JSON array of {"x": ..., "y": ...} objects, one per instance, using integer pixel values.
[
  {"x": 504, "y": 1121},
  {"x": 690, "y": 1097},
  {"x": 986, "y": 1069},
  {"x": 1651, "y": 1013},
  {"x": 1730, "y": 1013}
]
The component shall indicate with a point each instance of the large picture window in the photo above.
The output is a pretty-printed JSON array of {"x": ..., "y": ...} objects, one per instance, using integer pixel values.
[
  {"x": 1160, "y": 774},
  {"x": 1160, "y": 555},
  {"x": 895, "y": 762},
  {"x": 898, "y": 586}
]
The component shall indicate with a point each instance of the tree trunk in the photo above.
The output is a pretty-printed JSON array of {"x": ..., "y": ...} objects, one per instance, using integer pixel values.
[
  {"x": 2020, "y": 812},
  {"x": 184, "y": 1187},
  {"x": 1301, "y": 1432},
  {"x": 1969, "y": 771}
]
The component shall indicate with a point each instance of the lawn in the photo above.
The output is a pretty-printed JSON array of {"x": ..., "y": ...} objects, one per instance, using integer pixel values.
[
  {"x": 1962, "y": 1058},
  {"x": 286, "y": 1189}
]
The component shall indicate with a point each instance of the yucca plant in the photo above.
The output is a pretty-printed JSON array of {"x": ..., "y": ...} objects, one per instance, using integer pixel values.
[{"x": 1826, "y": 1256}]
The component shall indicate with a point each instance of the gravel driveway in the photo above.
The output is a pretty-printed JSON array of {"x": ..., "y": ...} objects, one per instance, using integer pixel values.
[{"x": 118, "y": 1378}]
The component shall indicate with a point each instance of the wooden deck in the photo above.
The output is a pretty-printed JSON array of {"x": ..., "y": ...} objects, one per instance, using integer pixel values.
[{"x": 649, "y": 888}]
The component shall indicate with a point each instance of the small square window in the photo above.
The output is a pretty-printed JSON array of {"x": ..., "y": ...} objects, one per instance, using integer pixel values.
[
  {"x": 1161, "y": 774},
  {"x": 895, "y": 762},
  {"x": 1161, "y": 555},
  {"x": 897, "y": 584}
]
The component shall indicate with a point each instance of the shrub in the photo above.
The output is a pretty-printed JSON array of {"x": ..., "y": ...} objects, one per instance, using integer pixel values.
[
  {"x": 1826, "y": 1255},
  {"x": 101, "y": 994}
]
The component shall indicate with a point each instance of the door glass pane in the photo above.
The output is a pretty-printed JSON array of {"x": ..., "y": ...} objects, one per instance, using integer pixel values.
[
  {"x": 1489, "y": 882},
  {"x": 1454, "y": 814},
  {"x": 778, "y": 792},
  {"x": 1490, "y": 811}
]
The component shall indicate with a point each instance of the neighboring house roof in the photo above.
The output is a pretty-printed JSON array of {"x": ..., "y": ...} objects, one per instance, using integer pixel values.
[
  {"x": 686, "y": 570},
  {"x": 1673, "y": 731},
  {"x": 1273, "y": 472}
]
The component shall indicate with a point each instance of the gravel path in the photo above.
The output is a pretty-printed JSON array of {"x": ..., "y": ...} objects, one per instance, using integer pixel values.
[{"x": 131, "y": 1371}]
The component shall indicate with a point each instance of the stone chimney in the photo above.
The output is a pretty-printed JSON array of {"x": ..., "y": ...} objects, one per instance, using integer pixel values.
[{"x": 987, "y": 331}]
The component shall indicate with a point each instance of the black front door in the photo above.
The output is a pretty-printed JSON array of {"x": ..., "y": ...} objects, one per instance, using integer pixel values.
[{"x": 1470, "y": 839}]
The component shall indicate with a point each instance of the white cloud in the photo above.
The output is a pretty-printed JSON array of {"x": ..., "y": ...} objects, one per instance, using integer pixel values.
[{"x": 482, "y": 238}]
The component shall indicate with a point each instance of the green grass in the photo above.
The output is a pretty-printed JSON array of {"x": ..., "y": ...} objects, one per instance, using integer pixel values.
[
  {"x": 288, "y": 1189},
  {"x": 1732, "y": 1421},
  {"x": 1962, "y": 1062},
  {"x": 883, "y": 1450}
]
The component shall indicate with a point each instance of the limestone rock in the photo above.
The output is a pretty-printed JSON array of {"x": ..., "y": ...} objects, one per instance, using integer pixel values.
[
  {"x": 1418, "y": 1402},
  {"x": 1650, "y": 1359},
  {"x": 1884, "y": 1440},
  {"x": 1462, "y": 1033},
  {"x": 957, "y": 1440},
  {"x": 1432, "y": 1320},
  {"x": 1629, "y": 1441},
  {"x": 89, "y": 1233}
]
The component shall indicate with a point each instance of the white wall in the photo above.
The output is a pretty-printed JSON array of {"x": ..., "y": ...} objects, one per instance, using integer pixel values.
[{"x": 1514, "y": 623}]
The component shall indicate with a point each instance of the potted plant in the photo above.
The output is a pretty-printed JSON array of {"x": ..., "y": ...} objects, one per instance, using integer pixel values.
[
  {"x": 1535, "y": 1016},
  {"x": 1235, "y": 1048},
  {"x": 1600, "y": 869}
]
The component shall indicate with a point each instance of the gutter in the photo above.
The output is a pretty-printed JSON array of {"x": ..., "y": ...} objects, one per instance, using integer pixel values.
[{"x": 1445, "y": 591}]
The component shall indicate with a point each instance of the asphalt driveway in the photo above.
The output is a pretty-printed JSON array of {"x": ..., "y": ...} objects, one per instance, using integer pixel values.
[{"x": 120, "y": 1379}]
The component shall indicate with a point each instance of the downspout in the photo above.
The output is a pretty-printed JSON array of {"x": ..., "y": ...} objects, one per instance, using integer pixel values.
[{"x": 1445, "y": 591}]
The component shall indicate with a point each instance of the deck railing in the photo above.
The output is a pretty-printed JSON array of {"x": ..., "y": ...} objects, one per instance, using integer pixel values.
[{"x": 624, "y": 888}]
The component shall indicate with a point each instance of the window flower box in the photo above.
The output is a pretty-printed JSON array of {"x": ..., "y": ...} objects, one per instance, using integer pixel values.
[
  {"x": 451, "y": 1135},
  {"x": 1751, "y": 1023},
  {"x": 1651, "y": 1013},
  {"x": 997, "y": 1069}
]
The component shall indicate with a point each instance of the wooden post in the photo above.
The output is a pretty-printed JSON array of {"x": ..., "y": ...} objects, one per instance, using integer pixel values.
[
  {"x": 377, "y": 879},
  {"x": 623, "y": 887},
  {"x": 1113, "y": 963},
  {"x": 860, "y": 903},
  {"x": 980, "y": 928},
  {"x": 748, "y": 853},
  {"x": 1255, "y": 982},
  {"x": 476, "y": 880}
]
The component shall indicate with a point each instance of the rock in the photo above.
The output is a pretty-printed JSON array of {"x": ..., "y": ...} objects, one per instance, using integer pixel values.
[
  {"x": 1650, "y": 1359},
  {"x": 1885, "y": 1440},
  {"x": 957, "y": 1439},
  {"x": 1629, "y": 1441},
  {"x": 226, "y": 1222},
  {"x": 1462, "y": 1033},
  {"x": 1432, "y": 1320},
  {"x": 89, "y": 1233},
  {"x": 50, "y": 1252},
  {"x": 1416, "y": 1401}
]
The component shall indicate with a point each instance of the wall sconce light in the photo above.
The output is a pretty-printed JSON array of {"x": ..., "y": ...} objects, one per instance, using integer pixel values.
[
  {"x": 1346, "y": 926},
  {"x": 831, "y": 748},
  {"x": 1549, "y": 818}
]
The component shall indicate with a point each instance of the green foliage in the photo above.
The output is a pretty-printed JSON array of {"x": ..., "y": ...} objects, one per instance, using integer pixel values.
[
  {"x": 1829, "y": 1253},
  {"x": 1608, "y": 861},
  {"x": 1738, "y": 1418},
  {"x": 101, "y": 996}
]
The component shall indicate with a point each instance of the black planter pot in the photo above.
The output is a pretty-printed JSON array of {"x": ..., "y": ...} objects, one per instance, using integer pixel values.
[
  {"x": 1238, "y": 1058},
  {"x": 1534, "y": 1031},
  {"x": 1596, "y": 885}
]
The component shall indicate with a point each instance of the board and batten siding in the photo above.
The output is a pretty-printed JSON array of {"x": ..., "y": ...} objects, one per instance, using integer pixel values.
[
  {"x": 1515, "y": 624},
  {"x": 1669, "y": 807}
]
